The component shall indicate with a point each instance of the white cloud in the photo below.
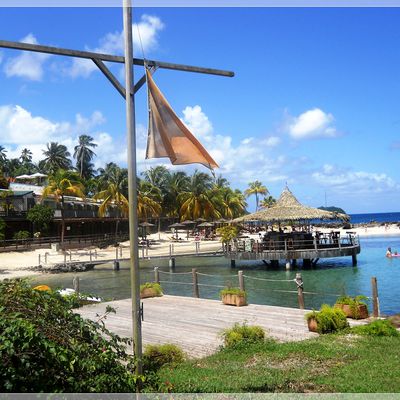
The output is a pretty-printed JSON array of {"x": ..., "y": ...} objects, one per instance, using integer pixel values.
[
  {"x": 272, "y": 141},
  {"x": 312, "y": 124},
  {"x": 355, "y": 182},
  {"x": 27, "y": 65},
  {"x": 113, "y": 43},
  {"x": 198, "y": 122}
]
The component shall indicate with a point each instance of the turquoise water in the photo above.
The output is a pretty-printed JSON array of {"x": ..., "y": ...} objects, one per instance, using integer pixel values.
[{"x": 331, "y": 276}]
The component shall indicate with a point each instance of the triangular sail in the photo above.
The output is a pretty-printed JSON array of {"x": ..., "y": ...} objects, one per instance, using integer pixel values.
[{"x": 168, "y": 136}]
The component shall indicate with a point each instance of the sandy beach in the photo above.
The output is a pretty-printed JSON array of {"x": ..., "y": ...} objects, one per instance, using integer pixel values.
[{"x": 17, "y": 264}]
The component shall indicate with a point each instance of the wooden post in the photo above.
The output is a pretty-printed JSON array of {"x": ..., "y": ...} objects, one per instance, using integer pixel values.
[
  {"x": 70, "y": 255},
  {"x": 75, "y": 283},
  {"x": 156, "y": 275},
  {"x": 233, "y": 263},
  {"x": 39, "y": 259},
  {"x": 241, "y": 280},
  {"x": 90, "y": 255},
  {"x": 375, "y": 298},
  {"x": 120, "y": 251},
  {"x": 300, "y": 294},
  {"x": 195, "y": 284},
  {"x": 354, "y": 260},
  {"x": 315, "y": 243},
  {"x": 95, "y": 254},
  {"x": 170, "y": 250},
  {"x": 116, "y": 253},
  {"x": 65, "y": 258}
]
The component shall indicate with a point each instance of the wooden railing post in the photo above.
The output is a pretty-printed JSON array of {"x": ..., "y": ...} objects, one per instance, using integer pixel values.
[
  {"x": 241, "y": 280},
  {"x": 75, "y": 283},
  {"x": 375, "y": 298},
  {"x": 300, "y": 294},
  {"x": 195, "y": 283},
  {"x": 156, "y": 275}
]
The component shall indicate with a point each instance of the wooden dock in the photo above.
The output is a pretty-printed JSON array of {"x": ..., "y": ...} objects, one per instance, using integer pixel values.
[{"x": 195, "y": 324}]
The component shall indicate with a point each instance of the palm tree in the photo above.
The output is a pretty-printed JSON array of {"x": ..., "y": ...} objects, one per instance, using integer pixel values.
[
  {"x": 56, "y": 158},
  {"x": 114, "y": 194},
  {"x": 84, "y": 154},
  {"x": 3, "y": 155},
  {"x": 267, "y": 202},
  {"x": 256, "y": 188},
  {"x": 196, "y": 200},
  {"x": 148, "y": 200},
  {"x": 63, "y": 183},
  {"x": 26, "y": 156}
]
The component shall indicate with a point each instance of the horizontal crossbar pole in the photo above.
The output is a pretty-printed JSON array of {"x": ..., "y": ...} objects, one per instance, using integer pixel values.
[{"x": 108, "y": 57}]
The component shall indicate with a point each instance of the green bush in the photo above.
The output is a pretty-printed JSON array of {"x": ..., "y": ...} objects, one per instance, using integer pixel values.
[
  {"x": 41, "y": 217},
  {"x": 20, "y": 235},
  {"x": 240, "y": 334},
  {"x": 155, "y": 356},
  {"x": 228, "y": 233},
  {"x": 2, "y": 229},
  {"x": 235, "y": 291},
  {"x": 46, "y": 347},
  {"x": 353, "y": 302},
  {"x": 151, "y": 285},
  {"x": 329, "y": 319},
  {"x": 380, "y": 327}
]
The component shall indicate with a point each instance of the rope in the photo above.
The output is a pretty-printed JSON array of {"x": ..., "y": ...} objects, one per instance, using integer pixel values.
[
  {"x": 218, "y": 276},
  {"x": 268, "y": 280},
  {"x": 178, "y": 283},
  {"x": 174, "y": 273},
  {"x": 216, "y": 286}
]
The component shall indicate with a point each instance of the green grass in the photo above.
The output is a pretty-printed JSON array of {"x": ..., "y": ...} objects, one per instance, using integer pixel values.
[{"x": 330, "y": 363}]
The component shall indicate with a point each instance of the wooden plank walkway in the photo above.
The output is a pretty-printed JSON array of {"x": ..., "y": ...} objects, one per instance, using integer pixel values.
[{"x": 195, "y": 324}]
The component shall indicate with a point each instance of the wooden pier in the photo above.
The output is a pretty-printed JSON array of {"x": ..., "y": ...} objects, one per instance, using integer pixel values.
[
  {"x": 195, "y": 324},
  {"x": 290, "y": 248}
]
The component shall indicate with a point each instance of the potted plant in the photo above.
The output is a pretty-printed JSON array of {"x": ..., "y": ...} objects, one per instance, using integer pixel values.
[
  {"x": 326, "y": 320},
  {"x": 353, "y": 307},
  {"x": 150, "y": 289},
  {"x": 233, "y": 297}
]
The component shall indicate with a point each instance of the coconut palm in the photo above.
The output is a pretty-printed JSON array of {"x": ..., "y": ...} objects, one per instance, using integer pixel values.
[
  {"x": 196, "y": 201},
  {"x": 84, "y": 155},
  {"x": 256, "y": 188},
  {"x": 56, "y": 158},
  {"x": 114, "y": 195},
  {"x": 148, "y": 200},
  {"x": 26, "y": 156},
  {"x": 63, "y": 183},
  {"x": 267, "y": 202},
  {"x": 3, "y": 155}
]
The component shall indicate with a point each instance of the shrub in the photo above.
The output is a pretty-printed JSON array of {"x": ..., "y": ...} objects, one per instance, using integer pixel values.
[
  {"x": 329, "y": 319},
  {"x": 155, "y": 356},
  {"x": 2, "y": 229},
  {"x": 45, "y": 347},
  {"x": 151, "y": 285},
  {"x": 235, "y": 291},
  {"x": 41, "y": 217},
  {"x": 228, "y": 233},
  {"x": 353, "y": 303},
  {"x": 380, "y": 327},
  {"x": 240, "y": 334},
  {"x": 20, "y": 235}
]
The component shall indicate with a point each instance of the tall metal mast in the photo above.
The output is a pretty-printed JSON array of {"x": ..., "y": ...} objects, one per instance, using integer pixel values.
[{"x": 132, "y": 189}]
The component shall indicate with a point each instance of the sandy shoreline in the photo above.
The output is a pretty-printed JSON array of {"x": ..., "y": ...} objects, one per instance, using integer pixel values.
[{"x": 17, "y": 264}]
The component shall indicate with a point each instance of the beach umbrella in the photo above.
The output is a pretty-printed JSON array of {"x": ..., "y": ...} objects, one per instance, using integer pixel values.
[
  {"x": 176, "y": 226},
  {"x": 200, "y": 220},
  {"x": 221, "y": 221},
  {"x": 144, "y": 226},
  {"x": 187, "y": 223}
]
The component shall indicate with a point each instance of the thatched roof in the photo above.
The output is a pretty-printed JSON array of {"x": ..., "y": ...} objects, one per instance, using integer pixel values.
[{"x": 288, "y": 208}]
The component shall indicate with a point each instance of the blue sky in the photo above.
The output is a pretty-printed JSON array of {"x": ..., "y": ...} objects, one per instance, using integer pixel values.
[{"x": 314, "y": 103}]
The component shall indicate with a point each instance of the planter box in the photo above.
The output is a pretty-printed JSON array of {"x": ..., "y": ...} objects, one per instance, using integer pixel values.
[
  {"x": 234, "y": 300},
  {"x": 312, "y": 325},
  {"x": 148, "y": 292},
  {"x": 361, "y": 312}
]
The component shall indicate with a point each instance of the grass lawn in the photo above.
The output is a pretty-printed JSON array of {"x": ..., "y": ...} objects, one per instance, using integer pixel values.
[{"x": 330, "y": 363}]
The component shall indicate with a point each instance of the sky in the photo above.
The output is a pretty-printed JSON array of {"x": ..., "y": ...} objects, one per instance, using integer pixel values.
[{"x": 314, "y": 103}]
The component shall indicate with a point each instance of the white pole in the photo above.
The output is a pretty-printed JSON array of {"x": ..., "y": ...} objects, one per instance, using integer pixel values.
[{"x": 133, "y": 222}]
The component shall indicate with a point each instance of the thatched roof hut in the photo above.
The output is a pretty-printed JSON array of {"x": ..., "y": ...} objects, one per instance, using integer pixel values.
[{"x": 288, "y": 208}]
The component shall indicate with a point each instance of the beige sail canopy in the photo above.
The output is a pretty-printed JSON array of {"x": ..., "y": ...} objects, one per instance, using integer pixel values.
[
  {"x": 168, "y": 136},
  {"x": 288, "y": 208}
]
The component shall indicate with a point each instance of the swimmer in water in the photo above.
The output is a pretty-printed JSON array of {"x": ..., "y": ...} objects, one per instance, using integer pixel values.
[{"x": 389, "y": 252}]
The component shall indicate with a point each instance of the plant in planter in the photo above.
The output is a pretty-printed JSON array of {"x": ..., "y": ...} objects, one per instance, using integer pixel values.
[
  {"x": 353, "y": 307},
  {"x": 233, "y": 297},
  {"x": 327, "y": 320},
  {"x": 150, "y": 289}
]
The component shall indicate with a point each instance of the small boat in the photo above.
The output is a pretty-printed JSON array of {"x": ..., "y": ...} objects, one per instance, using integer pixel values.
[{"x": 83, "y": 298}]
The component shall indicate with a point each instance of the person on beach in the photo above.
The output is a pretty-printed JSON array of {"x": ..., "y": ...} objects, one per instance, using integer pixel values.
[{"x": 389, "y": 252}]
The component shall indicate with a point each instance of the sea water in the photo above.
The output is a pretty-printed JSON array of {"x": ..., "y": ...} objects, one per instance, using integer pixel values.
[{"x": 264, "y": 285}]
